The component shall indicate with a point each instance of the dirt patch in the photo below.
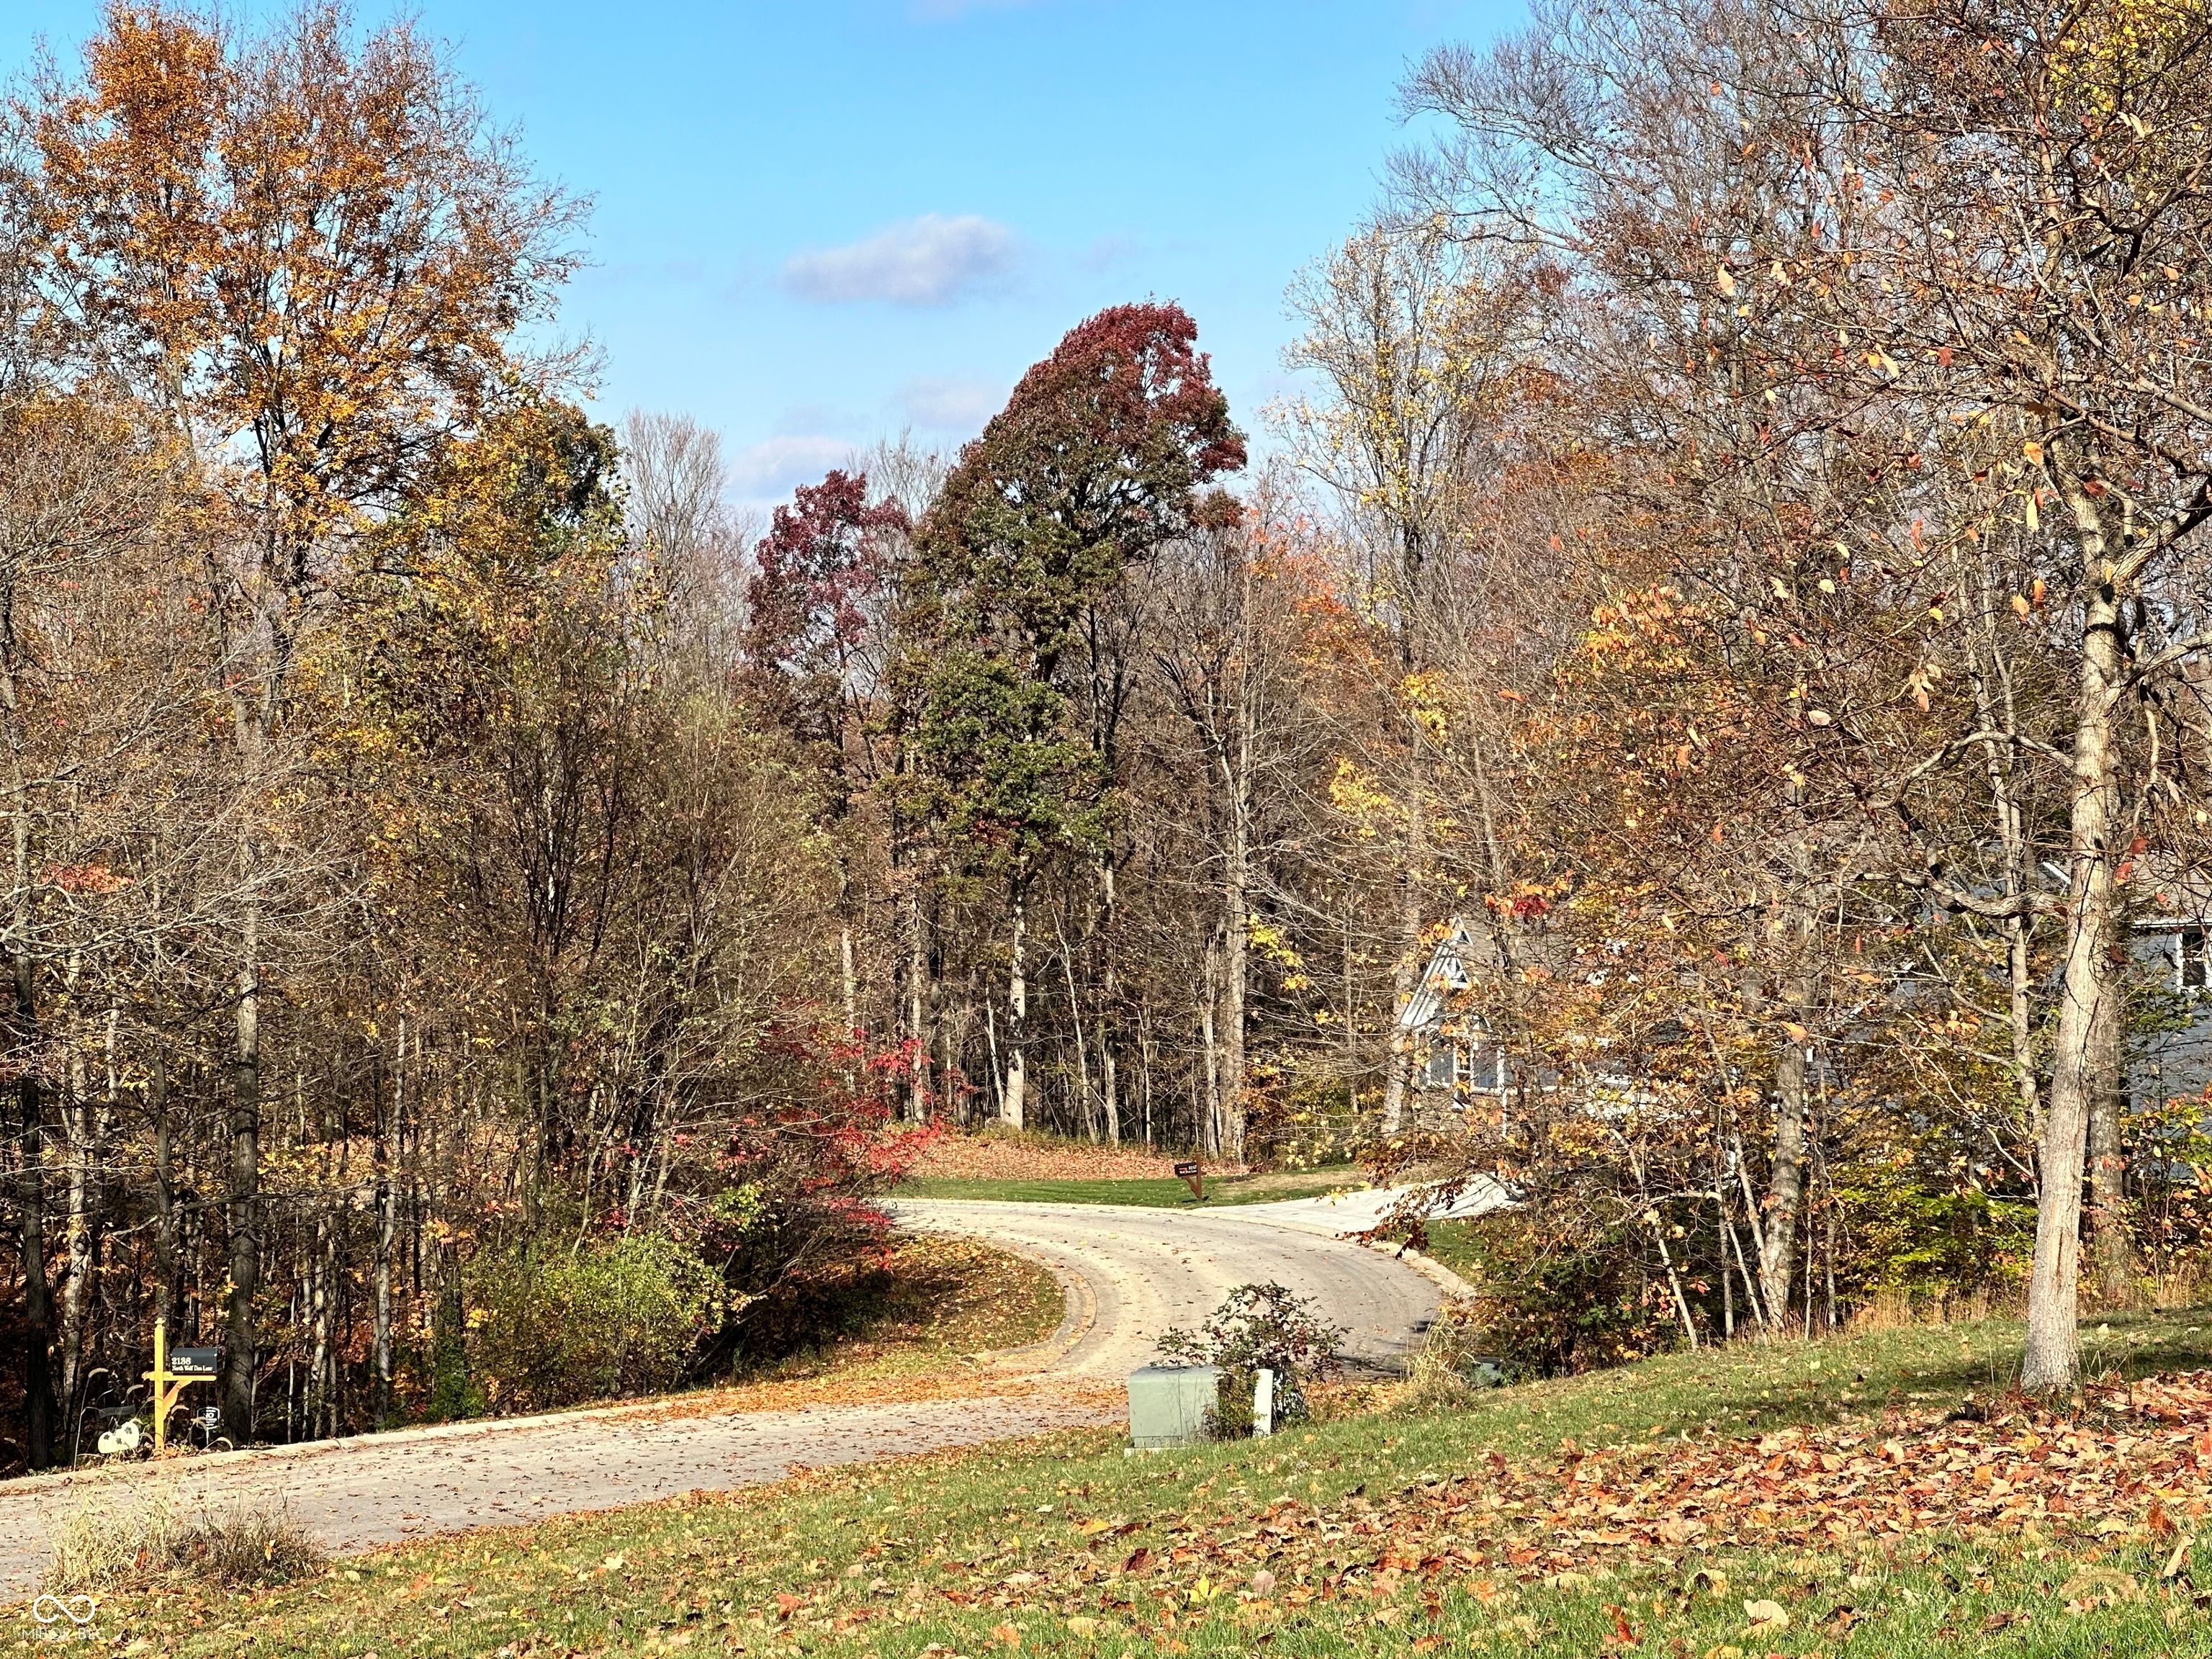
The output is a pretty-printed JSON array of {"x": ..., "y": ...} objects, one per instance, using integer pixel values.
[{"x": 996, "y": 1155}]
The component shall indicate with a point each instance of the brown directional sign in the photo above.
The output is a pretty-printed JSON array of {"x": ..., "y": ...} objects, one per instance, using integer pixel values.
[{"x": 1193, "y": 1177}]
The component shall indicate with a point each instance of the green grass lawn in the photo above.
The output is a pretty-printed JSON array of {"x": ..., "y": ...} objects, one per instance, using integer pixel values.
[
  {"x": 1323, "y": 1541},
  {"x": 1149, "y": 1194}
]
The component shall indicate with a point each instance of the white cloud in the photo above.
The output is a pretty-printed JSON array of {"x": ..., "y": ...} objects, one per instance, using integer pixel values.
[
  {"x": 930, "y": 261},
  {"x": 774, "y": 467},
  {"x": 949, "y": 404}
]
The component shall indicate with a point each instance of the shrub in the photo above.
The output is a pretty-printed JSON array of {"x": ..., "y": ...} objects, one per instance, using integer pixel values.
[
  {"x": 1556, "y": 1295},
  {"x": 619, "y": 1314},
  {"x": 1259, "y": 1327}
]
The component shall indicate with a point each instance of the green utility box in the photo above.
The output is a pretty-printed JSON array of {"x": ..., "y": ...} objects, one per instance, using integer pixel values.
[{"x": 1169, "y": 1404}]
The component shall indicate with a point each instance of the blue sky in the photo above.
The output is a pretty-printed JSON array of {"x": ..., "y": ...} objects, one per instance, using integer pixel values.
[{"x": 820, "y": 222}]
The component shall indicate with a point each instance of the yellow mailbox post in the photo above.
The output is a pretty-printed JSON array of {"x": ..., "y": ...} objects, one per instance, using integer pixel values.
[{"x": 190, "y": 1365}]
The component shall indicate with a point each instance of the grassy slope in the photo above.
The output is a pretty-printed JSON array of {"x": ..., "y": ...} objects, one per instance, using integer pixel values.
[
  {"x": 974, "y": 1553},
  {"x": 1149, "y": 1194}
]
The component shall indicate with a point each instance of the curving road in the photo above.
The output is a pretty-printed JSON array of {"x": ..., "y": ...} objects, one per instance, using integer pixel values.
[
  {"x": 1137, "y": 1271},
  {"x": 1130, "y": 1274}
]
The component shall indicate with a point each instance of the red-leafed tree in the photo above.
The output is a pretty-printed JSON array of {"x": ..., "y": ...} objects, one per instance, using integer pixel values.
[
  {"x": 814, "y": 606},
  {"x": 817, "y": 621}
]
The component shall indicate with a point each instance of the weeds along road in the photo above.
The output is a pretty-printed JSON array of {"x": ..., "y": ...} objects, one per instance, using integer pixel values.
[{"x": 1128, "y": 1274}]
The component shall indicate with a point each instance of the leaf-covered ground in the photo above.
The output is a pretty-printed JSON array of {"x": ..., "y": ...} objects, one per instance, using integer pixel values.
[
  {"x": 937, "y": 1297},
  {"x": 1869, "y": 1496},
  {"x": 1000, "y": 1156},
  {"x": 1147, "y": 1195}
]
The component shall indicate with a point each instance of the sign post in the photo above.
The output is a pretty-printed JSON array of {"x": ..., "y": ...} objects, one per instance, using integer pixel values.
[
  {"x": 190, "y": 1365},
  {"x": 1193, "y": 1177}
]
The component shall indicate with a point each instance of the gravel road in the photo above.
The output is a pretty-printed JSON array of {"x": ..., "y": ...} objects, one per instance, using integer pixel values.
[
  {"x": 1130, "y": 1274},
  {"x": 1145, "y": 1270}
]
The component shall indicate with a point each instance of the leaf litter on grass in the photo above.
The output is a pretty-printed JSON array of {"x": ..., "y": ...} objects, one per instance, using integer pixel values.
[{"x": 2130, "y": 1467}]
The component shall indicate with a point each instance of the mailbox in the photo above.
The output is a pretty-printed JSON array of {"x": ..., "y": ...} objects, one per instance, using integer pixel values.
[
  {"x": 195, "y": 1362},
  {"x": 1192, "y": 1177},
  {"x": 1169, "y": 1404}
]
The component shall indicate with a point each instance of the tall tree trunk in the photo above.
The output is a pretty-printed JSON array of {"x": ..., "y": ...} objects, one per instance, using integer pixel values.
[
  {"x": 321, "y": 1285},
  {"x": 1795, "y": 931},
  {"x": 2088, "y": 988},
  {"x": 38, "y": 1424},
  {"x": 917, "y": 1008},
  {"x": 1785, "y": 1182},
  {"x": 169, "y": 1290},
  {"x": 389, "y": 1104},
  {"x": 1014, "y": 1106},
  {"x": 1209, "y": 1004},
  {"x": 1397, "y": 1083},
  {"x": 1235, "y": 964},
  {"x": 1993, "y": 703},
  {"x": 76, "y": 1227},
  {"x": 31, "y": 1213},
  {"x": 2020, "y": 975},
  {"x": 1145, "y": 1065},
  {"x": 850, "y": 969},
  {"x": 1093, "y": 1127},
  {"x": 1110, "y": 1075},
  {"x": 1237, "y": 762},
  {"x": 241, "y": 1333},
  {"x": 2112, "y": 1257}
]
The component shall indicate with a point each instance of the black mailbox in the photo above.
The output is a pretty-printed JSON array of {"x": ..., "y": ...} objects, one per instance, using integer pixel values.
[
  {"x": 195, "y": 1362},
  {"x": 1186, "y": 1170}
]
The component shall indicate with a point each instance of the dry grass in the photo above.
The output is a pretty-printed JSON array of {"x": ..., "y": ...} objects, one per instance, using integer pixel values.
[{"x": 115, "y": 1542}]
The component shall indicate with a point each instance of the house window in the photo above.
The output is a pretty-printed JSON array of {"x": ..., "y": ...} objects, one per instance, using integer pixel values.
[
  {"x": 1444, "y": 1065},
  {"x": 1487, "y": 1069},
  {"x": 2189, "y": 959}
]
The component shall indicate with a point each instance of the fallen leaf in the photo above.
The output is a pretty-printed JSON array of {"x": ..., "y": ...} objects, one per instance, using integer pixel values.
[
  {"x": 2101, "y": 1584},
  {"x": 1766, "y": 1616}
]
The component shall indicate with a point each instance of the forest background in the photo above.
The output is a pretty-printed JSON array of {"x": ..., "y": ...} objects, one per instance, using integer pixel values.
[{"x": 483, "y": 923}]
